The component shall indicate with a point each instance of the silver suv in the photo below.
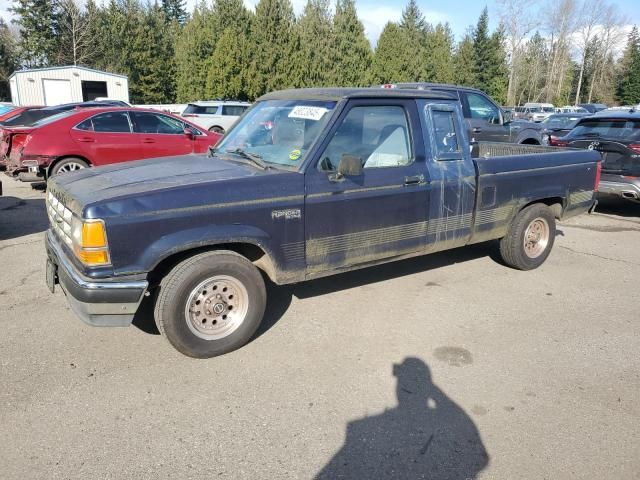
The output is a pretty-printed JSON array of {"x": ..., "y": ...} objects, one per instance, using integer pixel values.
[{"x": 215, "y": 116}]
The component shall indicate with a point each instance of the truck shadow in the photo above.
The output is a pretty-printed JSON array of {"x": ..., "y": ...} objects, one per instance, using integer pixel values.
[
  {"x": 20, "y": 217},
  {"x": 280, "y": 296}
]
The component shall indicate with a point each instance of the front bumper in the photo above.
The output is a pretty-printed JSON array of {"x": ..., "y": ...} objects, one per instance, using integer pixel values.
[
  {"x": 104, "y": 303},
  {"x": 626, "y": 190}
]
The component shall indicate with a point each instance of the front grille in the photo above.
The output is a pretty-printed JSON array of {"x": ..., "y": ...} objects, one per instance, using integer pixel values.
[{"x": 60, "y": 218}]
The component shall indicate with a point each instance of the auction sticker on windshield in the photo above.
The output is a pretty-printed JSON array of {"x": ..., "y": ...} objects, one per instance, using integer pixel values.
[{"x": 307, "y": 112}]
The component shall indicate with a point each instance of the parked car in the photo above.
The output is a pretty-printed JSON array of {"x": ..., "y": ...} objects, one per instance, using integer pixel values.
[
  {"x": 536, "y": 112},
  {"x": 8, "y": 115},
  {"x": 571, "y": 109},
  {"x": 5, "y": 107},
  {"x": 593, "y": 107},
  {"x": 558, "y": 125},
  {"x": 76, "y": 139},
  {"x": 215, "y": 116},
  {"x": 343, "y": 179},
  {"x": 485, "y": 120},
  {"x": 617, "y": 136}
]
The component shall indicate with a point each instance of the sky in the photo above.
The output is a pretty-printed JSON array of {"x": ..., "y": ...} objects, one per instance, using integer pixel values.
[{"x": 459, "y": 13}]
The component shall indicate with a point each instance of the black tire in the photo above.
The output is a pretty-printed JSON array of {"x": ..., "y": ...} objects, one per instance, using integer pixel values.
[
  {"x": 182, "y": 282},
  {"x": 66, "y": 164},
  {"x": 512, "y": 245},
  {"x": 217, "y": 129}
]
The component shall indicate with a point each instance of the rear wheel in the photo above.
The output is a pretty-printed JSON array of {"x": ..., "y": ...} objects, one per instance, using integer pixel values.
[
  {"x": 68, "y": 165},
  {"x": 530, "y": 238},
  {"x": 217, "y": 129},
  {"x": 210, "y": 304}
]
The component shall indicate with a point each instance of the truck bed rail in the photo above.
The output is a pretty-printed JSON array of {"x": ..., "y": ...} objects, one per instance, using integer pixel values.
[{"x": 496, "y": 149}]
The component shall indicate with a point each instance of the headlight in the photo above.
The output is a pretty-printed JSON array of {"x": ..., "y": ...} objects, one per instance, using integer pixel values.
[{"x": 90, "y": 242}]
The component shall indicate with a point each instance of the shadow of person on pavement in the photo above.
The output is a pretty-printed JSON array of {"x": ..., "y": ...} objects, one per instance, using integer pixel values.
[{"x": 426, "y": 436}]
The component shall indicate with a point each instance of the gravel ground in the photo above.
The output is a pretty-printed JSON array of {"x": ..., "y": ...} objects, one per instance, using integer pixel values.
[{"x": 446, "y": 366}]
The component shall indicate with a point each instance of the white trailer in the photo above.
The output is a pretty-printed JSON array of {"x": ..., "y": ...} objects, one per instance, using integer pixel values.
[{"x": 58, "y": 85}]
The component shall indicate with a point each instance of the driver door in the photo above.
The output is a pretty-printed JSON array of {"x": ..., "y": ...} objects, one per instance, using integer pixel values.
[{"x": 380, "y": 212}]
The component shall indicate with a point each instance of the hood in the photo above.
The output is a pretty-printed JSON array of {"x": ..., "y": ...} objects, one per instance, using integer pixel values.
[{"x": 154, "y": 180}]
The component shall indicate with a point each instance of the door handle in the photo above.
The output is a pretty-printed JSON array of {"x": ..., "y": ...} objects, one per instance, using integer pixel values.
[
  {"x": 86, "y": 140},
  {"x": 476, "y": 130},
  {"x": 415, "y": 180},
  {"x": 148, "y": 140}
]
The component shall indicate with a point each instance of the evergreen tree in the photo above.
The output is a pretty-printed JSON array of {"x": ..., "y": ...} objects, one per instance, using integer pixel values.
[
  {"x": 194, "y": 47},
  {"x": 230, "y": 13},
  {"x": 439, "y": 59},
  {"x": 628, "y": 91},
  {"x": 352, "y": 55},
  {"x": 391, "y": 56},
  {"x": 482, "y": 52},
  {"x": 415, "y": 31},
  {"x": 315, "y": 31},
  {"x": 174, "y": 10},
  {"x": 8, "y": 59},
  {"x": 498, "y": 80},
  {"x": 464, "y": 62},
  {"x": 227, "y": 76},
  {"x": 37, "y": 24},
  {"x": 272, "y": 46},
  {"x": 153, "y": 79}
]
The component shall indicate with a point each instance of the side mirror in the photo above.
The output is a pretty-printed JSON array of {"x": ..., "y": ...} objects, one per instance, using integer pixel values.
[
  {"x": 507, "y": 117},
  {"x": 349, "y": 166},
  {"x": 188, "y": 132}
]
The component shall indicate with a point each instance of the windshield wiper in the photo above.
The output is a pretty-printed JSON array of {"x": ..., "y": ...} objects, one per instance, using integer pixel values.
[{"x": 254, "y": 158}]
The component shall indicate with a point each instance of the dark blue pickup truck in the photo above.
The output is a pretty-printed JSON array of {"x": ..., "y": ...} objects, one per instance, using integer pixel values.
[{"x": 308, "y": 183}]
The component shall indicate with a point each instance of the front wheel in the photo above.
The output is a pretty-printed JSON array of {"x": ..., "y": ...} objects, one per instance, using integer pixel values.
[
  {"x": 530, "y": 238},
  {"x": 210, "y": 304}
]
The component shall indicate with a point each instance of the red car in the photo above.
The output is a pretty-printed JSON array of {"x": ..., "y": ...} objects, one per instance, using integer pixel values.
[{"x": 98, "y": 136}]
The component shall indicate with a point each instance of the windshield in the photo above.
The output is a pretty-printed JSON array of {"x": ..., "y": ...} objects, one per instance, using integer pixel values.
[
  {"x": 557, "y": 121},
  {"x": 548, "y": 109},
  {"x": 613, "y": 128},
  {"x": 278, "y": 132},
  {"x": 29, "y": 117}
]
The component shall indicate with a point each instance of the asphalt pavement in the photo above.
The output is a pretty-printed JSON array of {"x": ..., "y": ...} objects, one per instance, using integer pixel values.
[{"x": 445, "y": 366}]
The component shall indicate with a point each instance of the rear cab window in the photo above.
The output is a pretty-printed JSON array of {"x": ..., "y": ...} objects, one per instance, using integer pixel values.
[{"x": 442, "y": 122}]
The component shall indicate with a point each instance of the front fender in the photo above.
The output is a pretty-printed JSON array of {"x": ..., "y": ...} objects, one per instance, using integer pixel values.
[
  {"x": 167, "y": 245},
  {"x": 529, "y": 134}
]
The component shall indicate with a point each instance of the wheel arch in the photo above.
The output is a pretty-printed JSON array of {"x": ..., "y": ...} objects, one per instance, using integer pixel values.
[
  {"x": 252, "y": 251},
  {"x": 557, "y": 205}
]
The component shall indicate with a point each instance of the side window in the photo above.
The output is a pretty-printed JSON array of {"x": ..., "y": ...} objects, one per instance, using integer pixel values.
[
  {"x": 482, "y": 109},
  {"x": 86, "y": 125},
  {"x": 112, "y": 122},
  {"x": 378, "y": 136},
  {"x": 444, "y": 126},
  {"x": 233, "y": 110},
  {"x": 147, "y": 122}
]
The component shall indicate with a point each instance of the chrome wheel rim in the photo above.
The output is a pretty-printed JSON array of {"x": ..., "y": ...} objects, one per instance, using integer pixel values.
[
  {"x": 70, "y": 167},
  {"x": 217, "y": 307},
  {"x": 536, "y": 237}
]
